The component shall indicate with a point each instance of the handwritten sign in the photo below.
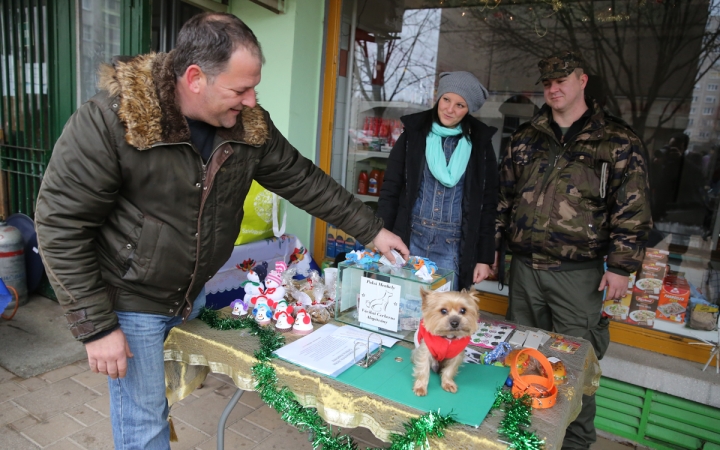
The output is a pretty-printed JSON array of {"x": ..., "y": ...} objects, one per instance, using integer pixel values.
[{"x": 379, "y": 304}]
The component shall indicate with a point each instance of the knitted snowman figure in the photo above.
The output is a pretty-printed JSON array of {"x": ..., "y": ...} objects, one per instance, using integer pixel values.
[
  {"x": 262, "y": 314},
  {"x": 252, "y": 286},
  {"x": 303, "y": 324},
  {"x": 274, "y": 289},
  {"x": 280, "y": 307},
  {"x": 260, "y": 299},
  {"x": 239, "y": 308},
  {"x": 284, "y": 321},
  {"x": 280, "y": 267}
]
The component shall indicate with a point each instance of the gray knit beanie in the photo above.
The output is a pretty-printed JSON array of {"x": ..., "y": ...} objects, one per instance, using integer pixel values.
[{"x": 466, "y": 86}]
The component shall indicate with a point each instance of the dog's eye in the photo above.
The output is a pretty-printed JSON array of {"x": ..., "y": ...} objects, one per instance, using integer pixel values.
[
  {"x": 462, "y": 310},
  {"x": 443, "y": 311}
]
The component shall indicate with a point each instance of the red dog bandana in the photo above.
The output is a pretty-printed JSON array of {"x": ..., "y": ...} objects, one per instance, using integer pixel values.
[{"x": 440, "y": 347}]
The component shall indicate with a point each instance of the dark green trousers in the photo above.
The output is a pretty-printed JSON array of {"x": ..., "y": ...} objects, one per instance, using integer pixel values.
[{"x": 566, "y": 302}]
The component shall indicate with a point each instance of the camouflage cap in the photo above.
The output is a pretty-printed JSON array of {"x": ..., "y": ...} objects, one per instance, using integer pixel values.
[{"x": 560, "y": 65}]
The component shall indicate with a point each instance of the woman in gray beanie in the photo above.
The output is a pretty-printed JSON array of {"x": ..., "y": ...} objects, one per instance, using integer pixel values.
[{"x": 439, "y": 193}]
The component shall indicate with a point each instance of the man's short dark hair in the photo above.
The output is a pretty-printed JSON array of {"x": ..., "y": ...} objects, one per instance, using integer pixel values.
[{"x": 209, "y": 39}]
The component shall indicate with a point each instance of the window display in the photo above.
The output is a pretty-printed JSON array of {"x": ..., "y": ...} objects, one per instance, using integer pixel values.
[{"x": 654, "y": 64}]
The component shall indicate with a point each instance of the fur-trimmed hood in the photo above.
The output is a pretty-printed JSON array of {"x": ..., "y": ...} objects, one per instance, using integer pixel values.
[{"x": 145, "y": 88}]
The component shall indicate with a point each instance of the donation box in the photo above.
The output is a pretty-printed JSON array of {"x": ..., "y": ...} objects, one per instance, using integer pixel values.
[{"x": 384, "y": 299}]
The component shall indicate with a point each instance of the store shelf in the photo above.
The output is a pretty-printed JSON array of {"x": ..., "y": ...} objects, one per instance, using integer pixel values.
[
  {"x": 366, "y": 106},
  {"x": 366, "y": 154},
  {"x": 367, "y": 198}
]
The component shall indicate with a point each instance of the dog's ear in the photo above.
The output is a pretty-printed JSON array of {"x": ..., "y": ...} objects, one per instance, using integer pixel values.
[
  {"x": 423, "y": 295},
  {"x": 475, "y": 294}
]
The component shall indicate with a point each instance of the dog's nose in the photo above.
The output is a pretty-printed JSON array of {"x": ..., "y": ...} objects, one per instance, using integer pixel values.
[{"x": 454, "y": 323}]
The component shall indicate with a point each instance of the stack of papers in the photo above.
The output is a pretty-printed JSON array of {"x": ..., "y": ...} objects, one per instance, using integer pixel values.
[{"x": 330, "y": 350}]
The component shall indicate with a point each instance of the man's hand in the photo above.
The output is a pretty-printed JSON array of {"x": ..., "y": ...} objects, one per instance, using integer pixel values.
[
  {"x": 494, "y": 267},
  {"x": 481, "y": 272},
  {"x": 108, "y": 355},
  {"x": 385, "y": 241},
  {"x": 617, "y": 285}
]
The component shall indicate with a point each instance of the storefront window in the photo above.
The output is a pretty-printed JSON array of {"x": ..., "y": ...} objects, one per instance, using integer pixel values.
[
  {"x": 653, "y": 63},
  {"x": 99, "y": 41}
]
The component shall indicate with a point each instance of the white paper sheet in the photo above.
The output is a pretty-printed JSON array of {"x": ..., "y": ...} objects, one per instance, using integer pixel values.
[{"x": 328, "y": 353}]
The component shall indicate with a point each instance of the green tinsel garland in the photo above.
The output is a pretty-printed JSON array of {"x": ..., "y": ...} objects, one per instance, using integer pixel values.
[
  {"x": 417, "y": 431},
  {"x": 307, "y": 419},
  {"x": 517, "y": 419}
]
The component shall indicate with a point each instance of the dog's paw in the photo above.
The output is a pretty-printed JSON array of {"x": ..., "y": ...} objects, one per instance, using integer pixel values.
[
  {"x": 449, "y": 386},
  {"x": 420, "y": 391}
]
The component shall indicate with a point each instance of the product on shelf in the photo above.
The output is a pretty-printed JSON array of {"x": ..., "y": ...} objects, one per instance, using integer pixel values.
[
  {"x": 639, "y": 306},
  {"x": 396, "y": 131},
  {"x": 339, "y": 241},
  {"x": 330, "y": 247},
  {"x": 373, "y": 182},
  {"x": 349, "y": 244},
  {"x": 674, "y": 298},
  {"x": 362, "y": 188}
]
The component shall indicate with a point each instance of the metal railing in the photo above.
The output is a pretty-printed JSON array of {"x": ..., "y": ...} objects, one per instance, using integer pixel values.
[{"x": 24, "y": 102}]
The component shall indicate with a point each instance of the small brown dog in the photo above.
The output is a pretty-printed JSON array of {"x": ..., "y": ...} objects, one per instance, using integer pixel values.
[{"x": 449, "y": 319}]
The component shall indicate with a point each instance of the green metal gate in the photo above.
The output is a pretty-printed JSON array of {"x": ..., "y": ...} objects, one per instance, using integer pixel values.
[
  {"x": 659, "y": 421},
  {"x": 24, "y": 110}
]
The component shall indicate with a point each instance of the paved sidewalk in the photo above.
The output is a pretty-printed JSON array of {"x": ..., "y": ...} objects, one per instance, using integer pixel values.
[{"x": 68, "y": 408}]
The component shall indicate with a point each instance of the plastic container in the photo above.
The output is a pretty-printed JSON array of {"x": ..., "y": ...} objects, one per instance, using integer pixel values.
[
  {"x": 349, "y": 244},
  {"x": 400, "y": 284},
  {"x": 362, "y": 187},
  {"x": 330, "y": 248},
  {"x": 374, "y": 183},
  {"x": 339, "y": 241}
]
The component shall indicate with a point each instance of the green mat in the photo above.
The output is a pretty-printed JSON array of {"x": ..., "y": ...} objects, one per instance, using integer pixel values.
[{"x": 477, "y": 385}]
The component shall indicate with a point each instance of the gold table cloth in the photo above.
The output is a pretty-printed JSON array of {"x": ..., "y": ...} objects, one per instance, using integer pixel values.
[{"x": 195, "y": 349}]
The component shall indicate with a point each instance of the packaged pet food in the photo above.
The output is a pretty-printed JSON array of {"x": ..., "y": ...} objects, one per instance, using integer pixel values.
[
  {"x": 674, "y": 298},
  {"x": 703, "y": 317}
]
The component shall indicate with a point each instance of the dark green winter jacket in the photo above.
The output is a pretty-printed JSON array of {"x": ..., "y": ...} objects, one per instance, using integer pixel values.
[
  {"x": 589, "y": 201},
  {"x": 129, "y": 218}
]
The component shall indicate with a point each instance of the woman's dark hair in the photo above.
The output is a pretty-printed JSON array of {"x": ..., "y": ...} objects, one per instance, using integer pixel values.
[
  {"x": 435, "y": 118},
  {"x": 209, "y": 40}
]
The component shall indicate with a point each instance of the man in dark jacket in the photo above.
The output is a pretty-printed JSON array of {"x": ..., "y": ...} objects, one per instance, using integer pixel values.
[
  {"x": 573, "y": 189},
  {"x": 143, "y": 198}
]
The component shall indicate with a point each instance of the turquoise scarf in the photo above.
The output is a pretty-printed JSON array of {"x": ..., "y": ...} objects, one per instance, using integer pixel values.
[{"x": 447, "y": 173}]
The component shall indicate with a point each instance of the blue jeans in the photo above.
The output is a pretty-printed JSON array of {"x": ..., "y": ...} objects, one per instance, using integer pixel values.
[
  {"x": 138, "y": 406},
  {"x": 437, "y": 241}
]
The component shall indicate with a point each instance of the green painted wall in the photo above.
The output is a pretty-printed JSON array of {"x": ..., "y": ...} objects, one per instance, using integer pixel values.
[{"x": 291, "y": 78}]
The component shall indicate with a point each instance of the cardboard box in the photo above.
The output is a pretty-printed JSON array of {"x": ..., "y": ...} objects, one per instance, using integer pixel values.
[
  {"x": 618, "y": 310},
  {"x": 638, "y": 306},
  {"x": 653, "y": 254},
  {"x": 674, "y": 298},
  {"x": 653, "y": 273},
  {"x": 646, "y": 292},
  {"x": 643, "y": 308}
]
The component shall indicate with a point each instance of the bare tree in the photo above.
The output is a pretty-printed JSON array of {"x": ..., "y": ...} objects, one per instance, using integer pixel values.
[
  {"x": 648, "y": 53},
  {"x": 385, "y": 65}
]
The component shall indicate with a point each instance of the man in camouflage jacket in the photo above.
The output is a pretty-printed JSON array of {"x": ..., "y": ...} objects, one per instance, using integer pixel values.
[{"x": 573, "y": 189}]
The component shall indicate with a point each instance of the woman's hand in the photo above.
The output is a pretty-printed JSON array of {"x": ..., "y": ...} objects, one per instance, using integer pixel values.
[{"x": 481, "y": 272}]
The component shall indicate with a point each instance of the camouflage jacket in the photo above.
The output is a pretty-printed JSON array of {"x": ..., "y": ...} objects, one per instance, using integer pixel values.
[{"x": 593, "y": 202}]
